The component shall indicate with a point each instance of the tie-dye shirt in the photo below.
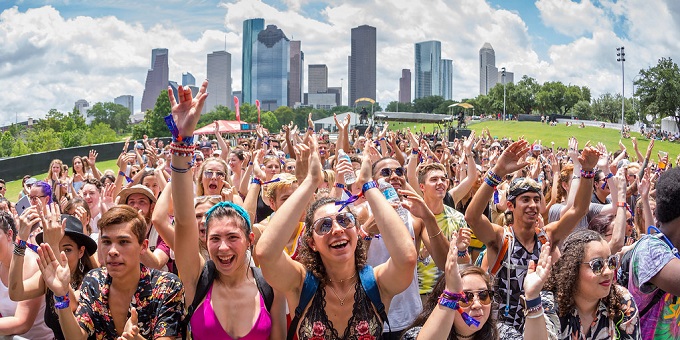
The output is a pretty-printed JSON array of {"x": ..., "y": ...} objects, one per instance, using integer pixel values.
[{"x": 662, "y": 321}]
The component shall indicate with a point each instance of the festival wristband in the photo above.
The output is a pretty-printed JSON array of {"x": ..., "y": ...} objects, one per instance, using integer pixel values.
[{"x": 61, "y": 302}]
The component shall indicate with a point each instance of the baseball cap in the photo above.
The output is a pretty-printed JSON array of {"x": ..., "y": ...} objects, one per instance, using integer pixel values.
[
  {"x": 537, "y": 147},
  {"x": 205, "y": 145}
]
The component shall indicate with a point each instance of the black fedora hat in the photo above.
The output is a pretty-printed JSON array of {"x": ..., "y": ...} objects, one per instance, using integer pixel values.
[{"x": 74, "y": 230}]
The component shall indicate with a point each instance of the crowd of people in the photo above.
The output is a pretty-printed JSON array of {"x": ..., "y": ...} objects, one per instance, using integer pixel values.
[{"x": 385, "y": 235}]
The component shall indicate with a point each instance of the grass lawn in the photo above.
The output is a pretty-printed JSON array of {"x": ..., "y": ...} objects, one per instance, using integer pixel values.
[{"x": 14, "y": 187}]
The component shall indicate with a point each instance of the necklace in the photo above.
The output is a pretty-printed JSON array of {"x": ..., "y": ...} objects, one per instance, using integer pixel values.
[
  {"x": 466, "y": 336},
  {"x": 343, "y": 280},
  {"x": 344, "y": 296}
]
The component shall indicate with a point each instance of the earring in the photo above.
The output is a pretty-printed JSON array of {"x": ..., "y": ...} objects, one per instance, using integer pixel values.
[{"x": 81, "y": 267}]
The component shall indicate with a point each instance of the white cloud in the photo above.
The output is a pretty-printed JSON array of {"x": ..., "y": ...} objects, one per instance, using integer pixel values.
[
  {"x": 50, "y": 61},
  {"x": 573, "y": 19}
]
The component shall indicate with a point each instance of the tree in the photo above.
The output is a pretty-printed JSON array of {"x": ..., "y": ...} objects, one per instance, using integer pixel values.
[
  {"x": 659, "y": 90},
  {"x": 42, "y": 140},
  {"x": 269, "y": 121},
  {"x": 607, "y": 108},
  {"x": 153, "y": 124},
  {"x": 100, "y": 133},
  {"x": 115, "y": 115},
  {"x": 6, "y": 144},
  {"x": 220, "y": 112},
  {"x": 582, "y": 110},
  {"x": 427, "y": 104},
  {"x": 525, "y": 94}
]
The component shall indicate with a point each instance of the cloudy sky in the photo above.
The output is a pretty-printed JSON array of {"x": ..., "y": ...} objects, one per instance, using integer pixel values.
[{"x": 55, "y": 52}]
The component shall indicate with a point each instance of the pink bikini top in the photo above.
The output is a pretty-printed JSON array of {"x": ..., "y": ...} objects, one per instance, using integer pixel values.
[{"x": 204, "y": 323}]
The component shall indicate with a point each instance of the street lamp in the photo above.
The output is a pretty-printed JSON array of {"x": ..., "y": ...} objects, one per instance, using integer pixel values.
[
  {"x": 636, "y": 109},
  {"x": 503, "y": 80},
  {"x": 621, "y": 57}
]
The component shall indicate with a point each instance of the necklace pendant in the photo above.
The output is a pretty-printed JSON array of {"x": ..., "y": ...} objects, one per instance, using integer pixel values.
[{"x": 342, "y": 303}]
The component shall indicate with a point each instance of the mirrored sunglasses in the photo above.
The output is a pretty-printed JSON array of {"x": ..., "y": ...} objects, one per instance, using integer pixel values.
[
  {"x": 387, "y": 172},
  {"x": 597, "y": 264},
  {"x": 324, "y": 225}
]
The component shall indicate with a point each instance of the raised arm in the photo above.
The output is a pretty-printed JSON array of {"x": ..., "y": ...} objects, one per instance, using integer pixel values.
[
  {"x": 186, "y": 114},
  {"x": 511, "y": 160},
  {"x": 460, "y": 190},
  {"x": 21, "y": 285},
  {"x": 282, "y": 272},
  {"x": 535, "y": 327},
  {"x": 161, "y": 219},
  {"x": 222, "y": 143},
  {"x": 561, "y": 228},
  {"x": 617, "y": 185}
]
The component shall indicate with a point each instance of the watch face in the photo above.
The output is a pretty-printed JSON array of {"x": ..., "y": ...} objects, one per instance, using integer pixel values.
[{"x": 523, "y": 302}]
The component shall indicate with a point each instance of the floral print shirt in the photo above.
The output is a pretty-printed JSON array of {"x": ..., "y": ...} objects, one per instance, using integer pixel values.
[
  {"x": 569, "y": 327},
  {"x": 159, "y": 301}
]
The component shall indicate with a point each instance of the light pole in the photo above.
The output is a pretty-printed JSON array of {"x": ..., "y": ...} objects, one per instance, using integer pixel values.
[
  {"x": 503, "y": 80},
  {"x": 621, "y": 57},
  {"x": 635, "y": 109}
]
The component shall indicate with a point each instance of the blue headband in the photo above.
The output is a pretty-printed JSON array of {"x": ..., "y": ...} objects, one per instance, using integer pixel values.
[{"x": 231, "y": 205}]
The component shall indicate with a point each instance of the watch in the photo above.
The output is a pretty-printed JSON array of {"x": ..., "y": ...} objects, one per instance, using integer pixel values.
[{"x": 530, "y": 306}]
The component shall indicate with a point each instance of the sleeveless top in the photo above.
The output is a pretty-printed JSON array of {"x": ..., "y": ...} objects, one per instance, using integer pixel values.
[
  {"x": 363, "y": 324},
  {"x": 263, "y": 210},
  {"x": 513, "y": 277},
  {"x": 205, "y": 325},
  {"x": 39, "y": 330}
]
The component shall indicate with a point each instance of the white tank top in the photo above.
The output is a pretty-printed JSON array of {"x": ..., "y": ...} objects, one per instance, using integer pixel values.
[
  {"x": 39, "y": 330},
  {"x": 406, "y": 305}
]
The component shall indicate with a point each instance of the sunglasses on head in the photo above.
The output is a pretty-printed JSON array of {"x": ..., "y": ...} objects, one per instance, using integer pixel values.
[
  {"x": 484, "y": 297},
  {"x": 324, "y": 225},
  {"x": 387, "y": 172},
  {"x": 211, "y": 174},
  {"x": 597, "y": 264}
]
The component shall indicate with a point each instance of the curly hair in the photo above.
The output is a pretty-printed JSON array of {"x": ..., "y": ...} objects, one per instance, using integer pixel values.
[
  {"x": 487, "y": 331},
  {"x": 565, "y": 273},
  {"x": 311, "y": 259},
  {"x": 601, "y": 223},
  {"x": 667, "y": 196}
]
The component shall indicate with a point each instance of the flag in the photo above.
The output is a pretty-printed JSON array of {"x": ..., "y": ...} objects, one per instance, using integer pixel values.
[
  {"x": 238, "y": 109},
  {"x": 257, "y": 104}
]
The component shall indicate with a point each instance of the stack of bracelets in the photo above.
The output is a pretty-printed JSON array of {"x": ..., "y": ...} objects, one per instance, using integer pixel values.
[
  {"x": 587, "y": 173},
  {"x": 492, "y": 179},
  {"x": 182, "y": 150},
  {"x": 450, "y": 300}
]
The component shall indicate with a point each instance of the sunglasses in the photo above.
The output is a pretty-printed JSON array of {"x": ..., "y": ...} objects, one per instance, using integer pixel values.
[
  {"x": 387, "y": 172},
  {"x": 290, "y": 168},
  {"x": 630, "y": 221},
  {"x": 597, "y": 264},
  {"x": 211, "y": 174},
  {"x": 484, "y": 297},
  {"x": 324, "y": 225}
]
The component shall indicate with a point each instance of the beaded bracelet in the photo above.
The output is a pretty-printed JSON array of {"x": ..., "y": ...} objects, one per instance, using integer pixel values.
[
  {"x": 537, "y": 315},
  {"x": 587, "y": 174},
  {"x": 61, "y": 302}
]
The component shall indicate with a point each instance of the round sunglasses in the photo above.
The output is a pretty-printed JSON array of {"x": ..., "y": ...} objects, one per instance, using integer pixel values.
[
  {"x": 324, "y": 225},
  {"x": 484, "y": 297},
  {"x": 211, "y": 174},
  {"x": 597, "y": 264},
  {"x": 387, "y": 172}
]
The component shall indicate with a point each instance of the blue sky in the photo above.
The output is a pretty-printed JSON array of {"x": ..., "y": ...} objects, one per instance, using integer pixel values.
[{"x": 56, "y": 52}]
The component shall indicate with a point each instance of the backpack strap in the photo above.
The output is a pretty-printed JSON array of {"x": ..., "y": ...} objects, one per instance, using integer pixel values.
[
  {"x": 657, "y": 296},
  {"x": 507, "y": 238},
  {"x": 203, "y": 285},
  {"x": 265, "y": 289},
  {"x": 367, "y": 278},
  {"x": 309, "y": 288}
]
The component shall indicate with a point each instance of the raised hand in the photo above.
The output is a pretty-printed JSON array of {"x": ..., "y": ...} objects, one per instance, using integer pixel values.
[
  {"x": 28, "y": 219},
  {"x": 468, "y": 143},
  {"x": 537, "y": 273},
  {"x": 513, "y": 158},
  {"x": 589, "y": 158},
  {"x": 315, "y": 170},
  {"x": 107, "y": 199},
  {"x": 415, "y": 204},
  {"x": 187, "y": 112},
  {"x": 301, "y": 160},
  {"x": 464, "y": 237},
  {"x": 258, "y": 159},
  {"x": 92, "y": 157},
  {"x": 453, "y": 281},
  {"x": 573, "y": 149},
  {"x": 310, "y": 122},
  {"x": 53, "y": 226},
  {"x": 55, "y": 270}
]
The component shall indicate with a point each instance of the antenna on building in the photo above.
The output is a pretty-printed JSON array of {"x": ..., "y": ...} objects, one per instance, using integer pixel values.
[{"x": 225, "y": 42}]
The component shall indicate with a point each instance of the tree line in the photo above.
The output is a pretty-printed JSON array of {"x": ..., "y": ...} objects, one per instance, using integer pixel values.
[{"x": 657, "y": 95}]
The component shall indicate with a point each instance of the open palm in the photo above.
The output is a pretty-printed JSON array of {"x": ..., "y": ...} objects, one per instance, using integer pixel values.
[{"x": 56, "y": 272}]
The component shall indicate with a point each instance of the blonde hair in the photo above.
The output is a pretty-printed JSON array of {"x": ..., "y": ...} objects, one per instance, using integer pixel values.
[
  {"x": 285, "y": 180},
  {"x": 200, "y": 191}
]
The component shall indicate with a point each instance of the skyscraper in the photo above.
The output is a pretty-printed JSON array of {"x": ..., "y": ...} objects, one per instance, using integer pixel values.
[
  {"x": 317, "y": 78},
  {"x": 297, "y": 71},
  {"x": 270, "y": 68},
  {"x": 156, "y": 78},
  {"x": 251, "y": 28},
  {"x": 219, "y": 81},
  {"x": 188, "y": 79},
  {"x": 362, "y": 64},
  {"x": 446, "y": 79},
  {"x": 126, "y": 100},
  {"x": 487, "y": 69},
  {"x": 428, "y": 55},
  {"x": 405, "y": 86}
]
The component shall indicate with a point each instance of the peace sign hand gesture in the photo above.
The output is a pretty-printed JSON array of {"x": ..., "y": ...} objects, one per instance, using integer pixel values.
[{"x": 187, "y": 112}]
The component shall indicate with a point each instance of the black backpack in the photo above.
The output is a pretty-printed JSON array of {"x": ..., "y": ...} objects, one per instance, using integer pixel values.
[{"x": 206, "y": 279}]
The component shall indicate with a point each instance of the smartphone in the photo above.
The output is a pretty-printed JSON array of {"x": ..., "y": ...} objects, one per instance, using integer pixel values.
[
  {"x": 22, "y": 205},
  {"x": 662, "y": 162}
]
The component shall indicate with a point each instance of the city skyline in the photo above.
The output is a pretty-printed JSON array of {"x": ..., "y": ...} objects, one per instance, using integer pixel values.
[{"x": 99, "y": 50}]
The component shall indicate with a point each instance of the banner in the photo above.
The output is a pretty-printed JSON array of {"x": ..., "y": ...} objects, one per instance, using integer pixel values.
[
  {"x": 257, "y": 104},
  {"x": 237, "y": 108}
]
